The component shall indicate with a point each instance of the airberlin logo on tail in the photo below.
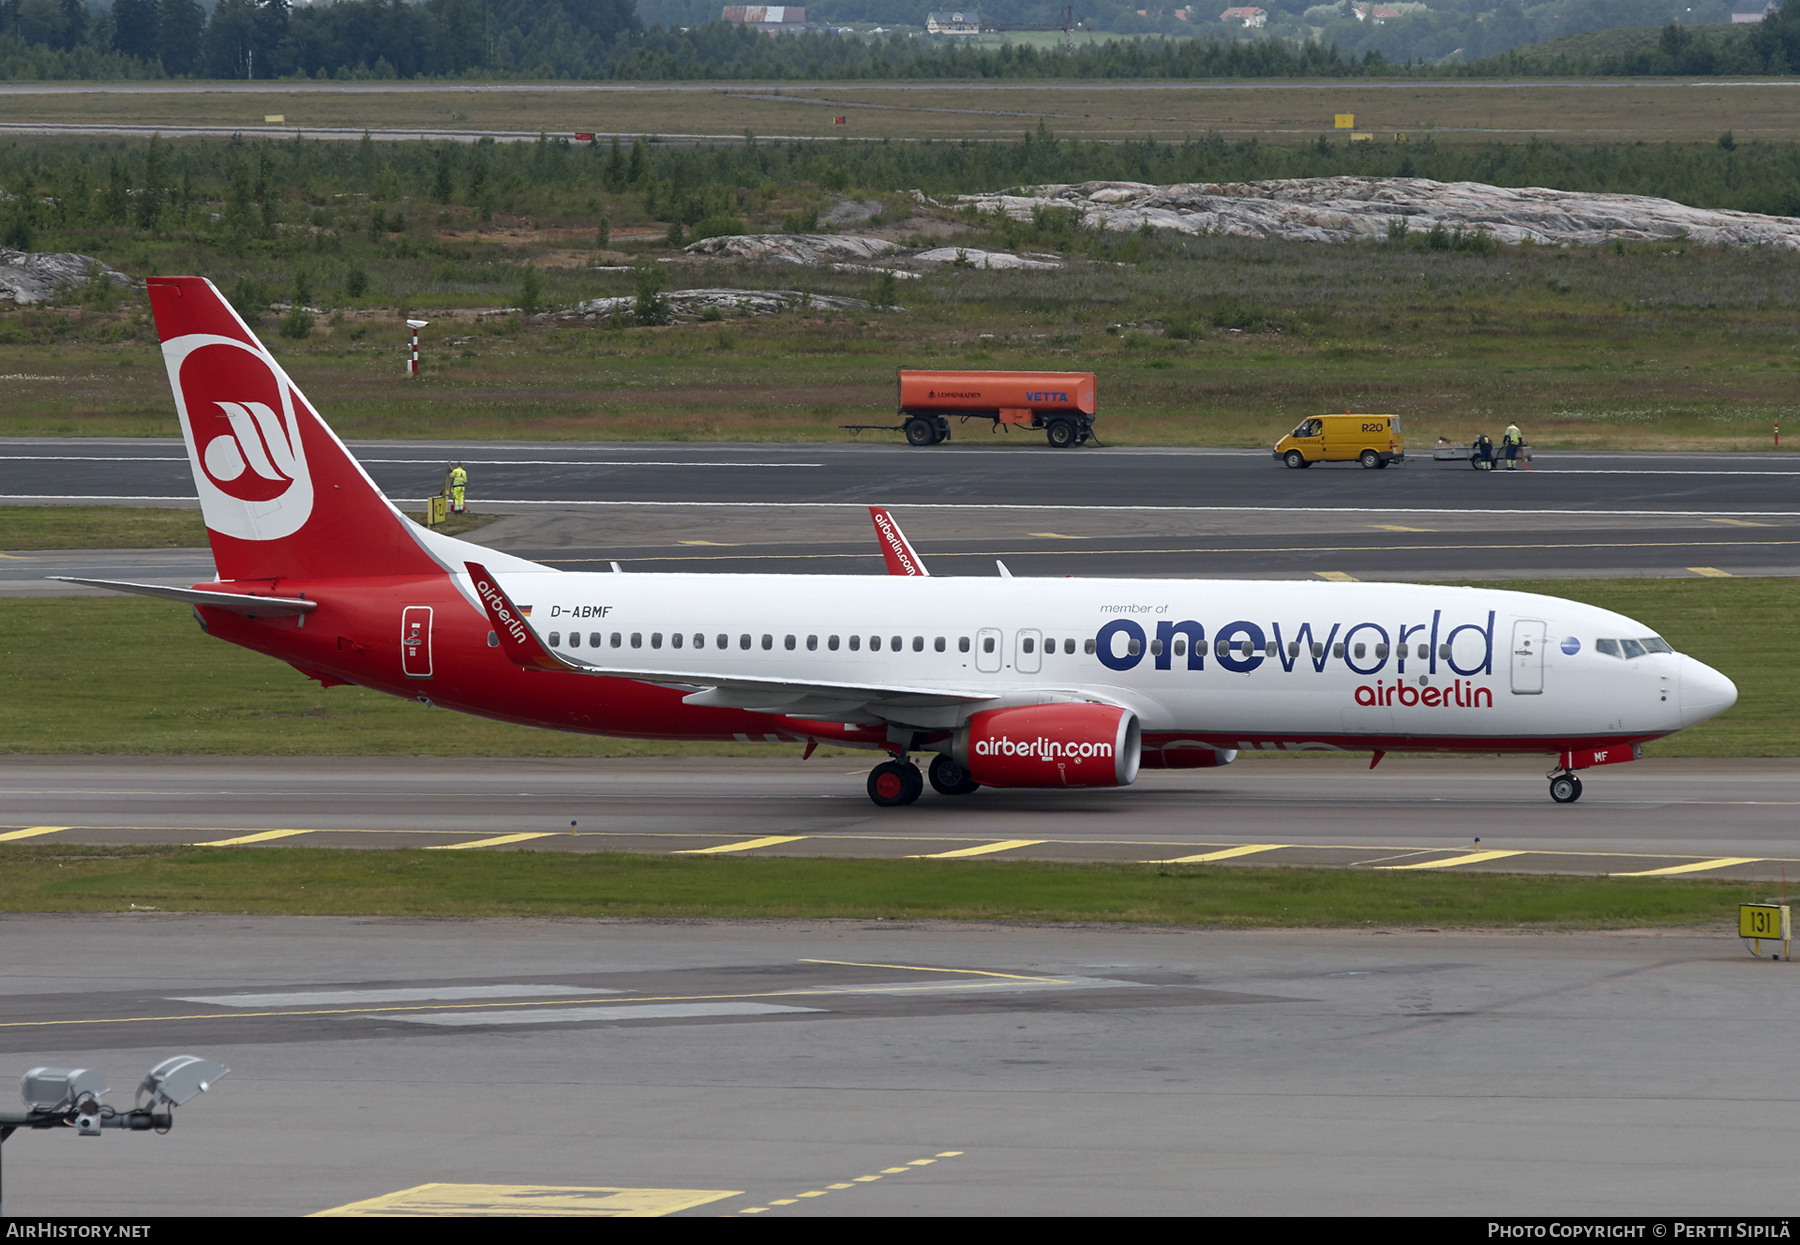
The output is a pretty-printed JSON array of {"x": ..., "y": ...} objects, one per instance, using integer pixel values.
[
  {"x": 897, "y": 550},
  {"x": 238, "y": 411}
]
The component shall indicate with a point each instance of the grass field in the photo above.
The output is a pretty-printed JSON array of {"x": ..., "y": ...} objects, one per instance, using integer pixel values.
[
  {"x": 1616, "y": 110},
  {"x": 1640, "y": 347},
  {"x": 310, "y": 881},
  {"x": 109, "y": 676}
]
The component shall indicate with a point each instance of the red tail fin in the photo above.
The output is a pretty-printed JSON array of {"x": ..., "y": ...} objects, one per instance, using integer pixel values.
[
  {"x": 281, "y": 495},
  {"x": 901, "y": 560}
]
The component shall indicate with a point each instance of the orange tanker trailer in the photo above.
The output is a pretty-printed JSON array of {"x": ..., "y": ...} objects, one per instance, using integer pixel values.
[{"x": 1061, "y": 404}]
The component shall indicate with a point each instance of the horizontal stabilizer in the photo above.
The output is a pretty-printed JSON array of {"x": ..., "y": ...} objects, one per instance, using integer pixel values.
[{"x": 237, "y": 602}]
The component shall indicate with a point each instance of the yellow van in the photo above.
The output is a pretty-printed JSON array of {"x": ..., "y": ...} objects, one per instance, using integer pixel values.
[{"x": 1372, "y": 440}]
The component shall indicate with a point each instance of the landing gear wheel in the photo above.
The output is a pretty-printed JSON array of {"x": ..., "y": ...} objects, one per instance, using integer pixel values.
[
  {"x": 1060, "y": 434},
  {"x": 1295, "y": 459},
  {"x": 1565, "y": 788},
  {"x": 949, "y": 778},
  {"x": 1370, "y": 460},
  {"x": 893, "y": 783},
  {"x": 920, "y": 432}
]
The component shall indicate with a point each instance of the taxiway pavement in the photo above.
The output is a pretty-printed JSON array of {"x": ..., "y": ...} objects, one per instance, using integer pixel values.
[
  {"x": 780, "y": 1069},
  {"x": 1702, "y": 818}
]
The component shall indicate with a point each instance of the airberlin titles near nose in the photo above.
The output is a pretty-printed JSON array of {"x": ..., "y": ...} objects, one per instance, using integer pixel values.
[{"x": 1003, "y": 681}]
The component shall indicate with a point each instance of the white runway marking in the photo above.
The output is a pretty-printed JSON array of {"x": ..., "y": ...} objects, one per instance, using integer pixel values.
[
  {"x": 409, "y": 994},
  {"x": 566, "y": 1015}
]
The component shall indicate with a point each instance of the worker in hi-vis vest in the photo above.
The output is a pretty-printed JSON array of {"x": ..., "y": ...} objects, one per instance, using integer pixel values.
[
  {"x": 1511, "y": 444},
  {"x": 459, "y": 480}
]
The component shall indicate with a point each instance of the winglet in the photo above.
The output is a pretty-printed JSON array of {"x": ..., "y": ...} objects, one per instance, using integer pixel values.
[
  {"x": 517, "y": 640},
  {"x": 901, "y": 560}
]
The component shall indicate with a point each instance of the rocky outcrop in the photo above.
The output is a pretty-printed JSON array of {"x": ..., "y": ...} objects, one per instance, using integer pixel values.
[
  {"x": 967, "y": 257},
  {"x": 809, "y": 249},
  {"x": 693, "y": 304},
  {"x": 1350, "y": 209},
  {"x": 27, "y": 277}
]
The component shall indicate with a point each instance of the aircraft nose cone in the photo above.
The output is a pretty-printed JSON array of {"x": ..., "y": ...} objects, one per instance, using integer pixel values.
[{"x": 1705, "y": 693}]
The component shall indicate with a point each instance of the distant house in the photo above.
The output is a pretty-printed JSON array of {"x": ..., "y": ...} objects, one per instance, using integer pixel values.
[
  {"x": 1376, "y": 13},
  {"x": 770, "y": 19},
  {"x": 953, "y": 23},
  {"x": 1746, "y": 11},
  {"x": 1252, "y": 17}
]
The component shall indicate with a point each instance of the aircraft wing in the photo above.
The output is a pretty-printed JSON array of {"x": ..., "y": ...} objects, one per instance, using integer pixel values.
[
  {"x": 237, "y": 602},
  {"x": 795, "y": 698}
]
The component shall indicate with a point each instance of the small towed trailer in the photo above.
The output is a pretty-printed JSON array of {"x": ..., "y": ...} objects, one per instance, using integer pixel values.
[
  {"x": 1483, "y": 455},
  {"x": 1060, "y": 404}
]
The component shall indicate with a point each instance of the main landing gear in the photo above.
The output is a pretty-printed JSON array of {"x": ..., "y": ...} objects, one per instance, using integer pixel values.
[
  {"x": 894, "y": 783},
  {"x": 1565, "y": 788}
]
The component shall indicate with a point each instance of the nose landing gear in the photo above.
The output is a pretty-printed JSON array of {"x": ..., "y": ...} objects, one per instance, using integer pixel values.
[
  {"x": 1565, "y": 788},
  {"x": 893, "y": 783}
]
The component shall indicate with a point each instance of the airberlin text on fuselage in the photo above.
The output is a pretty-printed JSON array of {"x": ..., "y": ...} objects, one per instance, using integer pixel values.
[{"x": 1463, "y": 649}]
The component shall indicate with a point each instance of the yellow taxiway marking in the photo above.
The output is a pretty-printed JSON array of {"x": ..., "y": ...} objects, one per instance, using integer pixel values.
[
  {"x": 746, "y": 845},
  {"x": 1740, "y": 523},
  {"x": 1710, "y": 572},
  {"x": 894, "y": 1171},
  {"x": 1336, "y": 577},
  {"x": 1055, "y": 536},
  {"x": 435, "y": 1200},
  {"x": 262, "y": 837},
  {"x": 493, "y": 842},
  {"x": 864, "y": 1179},
  {"x": 30, "y": 832},
  {"x": 1248, "y": 849},
  {"x": 1395, "y": 527},
  {"x": 1698, "y": 866},
  {"x": 924, "y": 968},
  {"x": 1469, "y": 859},
  {"x": 983, "y": 849}
]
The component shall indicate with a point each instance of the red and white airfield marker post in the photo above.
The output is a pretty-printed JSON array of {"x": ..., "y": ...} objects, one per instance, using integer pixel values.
[{"x": 412, "y": 366}]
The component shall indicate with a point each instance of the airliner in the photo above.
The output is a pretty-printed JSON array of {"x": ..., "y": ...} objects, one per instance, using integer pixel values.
[{"x": 997, "y": 681}]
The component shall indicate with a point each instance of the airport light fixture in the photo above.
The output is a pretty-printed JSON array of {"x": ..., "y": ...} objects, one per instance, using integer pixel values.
[{"x": 73, "y": 1098}]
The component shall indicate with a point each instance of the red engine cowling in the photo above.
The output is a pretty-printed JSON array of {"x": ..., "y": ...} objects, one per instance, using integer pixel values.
[{"x": 1061, "y": 745}]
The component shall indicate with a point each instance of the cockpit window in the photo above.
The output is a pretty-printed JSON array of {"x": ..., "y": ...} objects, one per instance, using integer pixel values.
[
  {"x": 1608, "y": 647},
  {"x": 1656, "y": 644},
  {"x": 1632, "y": 648}
]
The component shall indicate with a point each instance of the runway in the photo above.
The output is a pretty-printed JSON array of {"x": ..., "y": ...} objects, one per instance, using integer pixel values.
[
  {"x": 780, "y": 1069},
  {"x": 1724, "y": 818},
  {"x": 1114, "y": 513},
  {"x": 517, "y": 475}
]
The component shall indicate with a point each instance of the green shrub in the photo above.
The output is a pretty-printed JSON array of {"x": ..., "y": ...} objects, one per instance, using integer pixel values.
[
  {"x": 718, "y": 227},
  {"x": 297, "y": 323}
]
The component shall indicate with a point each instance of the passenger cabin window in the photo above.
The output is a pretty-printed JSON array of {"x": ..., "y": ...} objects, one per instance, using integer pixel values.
[
  {"x": 855, "y": 643},
  {"x": 1088, "y": 648},
  {"x": 1245, "y": 648},
  {"x": 1155, "y": 647},
  {"x": 616, "y": 639},
  {"x": 1337, "y": 650},
  {"x": 675, "y": 640},
  {"x": 574, "y": 639},
  {"x": 656, "y": 639},
  {"x": 787, "y": 642},
  {"x": 724, "y": 641},
  {"x": 874, "y": 644},
  {"x": 962, "y": 644},
  {"x": 832, "y": 644},
  {"x": 556, "y": 639},
  {"x": 1381, "y": 650},
  {"x": 1318, "y": 650},
  {"x": 744, "y": 642},
  {"x": 938, "y": 644},
  {"x": 1027, "y": 645},
  {"x": 1424, "y": 651},
  {"x": 896, "y": 643},
  {"x": 593, "y": 639},
  {"x": 1180, "y": 646},
  {"x": 918, "y": 644},
  {"x": 637, "y": 639},
  {"x": 1069, "y": 648},
  {"x": 812, "y": 643},
  {"x": 768, "y": 642},
  {"x": 1134, "y": 646},
  {"x": 987, "y": 644},
  {"x": 1360, "y": 650}
]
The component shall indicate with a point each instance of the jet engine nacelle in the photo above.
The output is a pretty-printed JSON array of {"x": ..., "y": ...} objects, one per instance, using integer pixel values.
[{"x": 1060, "y": 745}]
